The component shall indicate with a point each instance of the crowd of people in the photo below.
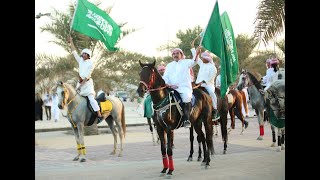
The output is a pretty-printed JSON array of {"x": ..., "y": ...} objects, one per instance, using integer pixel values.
[{"x": 48, "y": 102}]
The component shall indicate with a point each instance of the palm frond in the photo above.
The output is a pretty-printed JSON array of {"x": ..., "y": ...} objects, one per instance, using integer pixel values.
[{"x": 270, "y": 20}]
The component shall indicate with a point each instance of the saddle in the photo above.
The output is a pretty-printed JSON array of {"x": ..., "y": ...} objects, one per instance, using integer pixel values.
[{"x": 104, "y": 104}]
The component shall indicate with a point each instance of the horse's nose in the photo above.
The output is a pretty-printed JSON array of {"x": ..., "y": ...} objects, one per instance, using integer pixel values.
[
  {"x": 140, "y": 92},
  {"x": 59, "y": 106}
]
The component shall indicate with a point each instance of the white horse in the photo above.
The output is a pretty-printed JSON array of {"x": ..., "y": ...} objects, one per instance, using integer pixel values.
[{"x": 79, "y": 116}]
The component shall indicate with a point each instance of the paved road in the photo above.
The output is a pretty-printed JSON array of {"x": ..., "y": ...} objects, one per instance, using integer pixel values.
[{"x": 246, "y": 159}]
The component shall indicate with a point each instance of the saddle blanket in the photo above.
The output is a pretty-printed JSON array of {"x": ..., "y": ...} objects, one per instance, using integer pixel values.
[
  {"x": 106, "y": 106},
  {"x": 277, "y": 122}
]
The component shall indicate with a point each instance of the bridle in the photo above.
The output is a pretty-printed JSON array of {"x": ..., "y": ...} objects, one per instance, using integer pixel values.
[
  {"x": 64, "y": 100},
  {"x": 246, "y": 82},
  {"x": 152, "y": 80}
]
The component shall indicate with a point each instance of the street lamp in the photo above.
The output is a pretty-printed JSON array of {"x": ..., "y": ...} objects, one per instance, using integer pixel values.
[{"x": 40, "y": 14}]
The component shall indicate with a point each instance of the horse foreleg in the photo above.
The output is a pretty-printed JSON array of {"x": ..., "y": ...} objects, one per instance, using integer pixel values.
[
  {"x": 279, "y": 140},
  {"x": 169, "y": 151},
  {"x": 273, "y": 136},
  {"x": 282, "y": 139},
  {"x": 80, "y": 144},
  {"x": 191, "y": 138},
  {"x": 199, "y": 150},
  {"x": 261, "y": 124},
  {"x": 79, "y": 147},
  {"x": 163, "y": 151}
]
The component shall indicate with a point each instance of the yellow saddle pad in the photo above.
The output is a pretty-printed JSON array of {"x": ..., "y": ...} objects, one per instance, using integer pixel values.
[{"x": 106, "y": 106}]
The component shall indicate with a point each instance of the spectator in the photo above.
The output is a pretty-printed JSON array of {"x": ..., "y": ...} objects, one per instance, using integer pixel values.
[
  {"x": 38, "y": 107},
  {"x": 54, "y": 108},
  {"x": 47, "y": 100}
]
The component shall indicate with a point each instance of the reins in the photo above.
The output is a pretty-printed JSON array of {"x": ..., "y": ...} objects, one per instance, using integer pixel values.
[{"x": 151, "y": 82}]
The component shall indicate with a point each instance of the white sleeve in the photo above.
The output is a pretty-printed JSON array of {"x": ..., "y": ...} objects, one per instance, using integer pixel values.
[{"x": 76, "y": 56}]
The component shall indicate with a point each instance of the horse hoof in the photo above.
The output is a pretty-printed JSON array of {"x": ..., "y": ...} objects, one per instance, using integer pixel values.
[
  {"x": 168, "y": 176},
  {"x": 162, "y": 174},
  {"x": 273, "y": 145},
  {"x": 199, "y": 159},
  {"x": 246, "y": 125},
  {"x": 76, "y": 158},
  {"x": 282, "y": 147},
  {"x": 279, "y": 149},
  {"x": 83, "y": 160},
  {"x": 189, "y": 159},
  {"x": 113, "y": 153},
  {"x": 224, "y": 151},
  {"x": 203, "y": 163},
  {"x": 207, "y": 166},
  {"x": 260, "y": 138}
]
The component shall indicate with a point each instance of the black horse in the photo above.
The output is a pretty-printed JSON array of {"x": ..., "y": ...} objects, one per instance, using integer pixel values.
[{"x": 168, "y": 114}]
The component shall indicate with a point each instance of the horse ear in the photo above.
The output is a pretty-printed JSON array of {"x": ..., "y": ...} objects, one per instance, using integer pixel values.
[
  {"x": 154, "y": 63},
  {"x": 141, "y": 63}
]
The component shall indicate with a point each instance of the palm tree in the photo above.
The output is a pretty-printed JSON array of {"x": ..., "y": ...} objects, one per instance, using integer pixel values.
[{"x": 270, "y": 20}]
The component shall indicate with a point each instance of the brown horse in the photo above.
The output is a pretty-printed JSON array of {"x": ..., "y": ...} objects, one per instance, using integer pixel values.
[
  {"x": 168, "y": 113},
  {"x": 236, "y": 99}
]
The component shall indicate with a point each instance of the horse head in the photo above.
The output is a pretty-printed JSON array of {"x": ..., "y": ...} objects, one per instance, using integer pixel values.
[
  {"x": 150, "y": 79},
  {"x": 63, "y": 93},
  {"x": 243, "y": 80}
]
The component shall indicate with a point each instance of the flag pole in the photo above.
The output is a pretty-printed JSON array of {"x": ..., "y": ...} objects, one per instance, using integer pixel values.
[{"x": 74, "y": 13}]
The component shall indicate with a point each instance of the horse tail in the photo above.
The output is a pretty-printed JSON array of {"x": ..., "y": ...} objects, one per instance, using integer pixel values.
[
  {"x": 123, "y": 121},
  {"x": 244, "y": 101}
]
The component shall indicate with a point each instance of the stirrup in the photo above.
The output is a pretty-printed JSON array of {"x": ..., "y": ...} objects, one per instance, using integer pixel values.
[
  {"x": 100, "y": 119},
  {"x": 216, "y": 117},
  {"x": 187, "y": 124}
]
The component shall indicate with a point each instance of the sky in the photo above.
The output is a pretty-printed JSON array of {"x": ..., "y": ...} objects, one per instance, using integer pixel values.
[{"x": 158, "y": 21}]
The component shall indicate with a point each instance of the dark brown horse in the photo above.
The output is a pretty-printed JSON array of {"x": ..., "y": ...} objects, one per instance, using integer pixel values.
[{"x": 168, "y": 113}]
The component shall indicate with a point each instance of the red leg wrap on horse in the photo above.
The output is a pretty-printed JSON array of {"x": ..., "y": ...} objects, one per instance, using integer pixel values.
[
  {"x": 261, "y": 130},
  {"x": 165, "y": 161},
  {"x": 171, "y": 166}
]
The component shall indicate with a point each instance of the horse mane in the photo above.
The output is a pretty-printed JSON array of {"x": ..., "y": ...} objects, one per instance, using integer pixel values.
[
  {"x": 70, "y": 88},
  {"x": 254, "y": 81}
]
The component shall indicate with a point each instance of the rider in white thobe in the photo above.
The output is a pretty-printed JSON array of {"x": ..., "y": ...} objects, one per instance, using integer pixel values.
[{"x": 177, "y": 75}]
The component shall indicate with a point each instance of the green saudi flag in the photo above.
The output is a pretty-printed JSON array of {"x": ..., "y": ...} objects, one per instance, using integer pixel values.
[
  {"x": 213, "y": 41},
  {"x": 95, "y": 23},
  {"x": 231, "y": 55}
]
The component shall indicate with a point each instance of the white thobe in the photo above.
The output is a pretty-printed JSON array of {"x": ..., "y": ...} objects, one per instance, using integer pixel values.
[{"x": 178, "y": 73}]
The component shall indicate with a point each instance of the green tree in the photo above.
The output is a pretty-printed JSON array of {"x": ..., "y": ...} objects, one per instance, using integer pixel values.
[{"x": 245, "y": 47}]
